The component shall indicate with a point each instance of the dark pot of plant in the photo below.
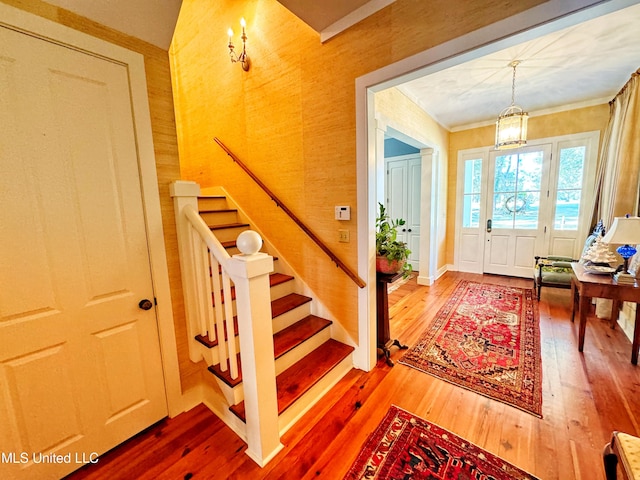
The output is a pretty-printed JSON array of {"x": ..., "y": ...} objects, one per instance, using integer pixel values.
[{"x": 391, "y": 254}]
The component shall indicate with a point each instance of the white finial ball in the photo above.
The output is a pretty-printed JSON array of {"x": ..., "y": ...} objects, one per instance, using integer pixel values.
[{"x": 249, "y": 242}]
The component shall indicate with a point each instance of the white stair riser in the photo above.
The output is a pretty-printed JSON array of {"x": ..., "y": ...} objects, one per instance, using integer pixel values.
[
  {"x": 277, "y": 291},
  {"x": 282, "y": 289},
  {"x": 292, "y": 316},
  {"x": 212, "y": 203},
  {"x": 229, "y": 234},
  {"x": 220, "y": 217}
]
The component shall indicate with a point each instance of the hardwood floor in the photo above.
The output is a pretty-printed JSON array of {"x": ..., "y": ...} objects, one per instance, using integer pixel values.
[{"x": 585, "y": 397}]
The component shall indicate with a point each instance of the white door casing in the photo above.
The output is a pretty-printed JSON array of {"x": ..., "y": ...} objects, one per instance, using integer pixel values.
[
  {"x": 80, "y": 363},
  {"x": 551, "y": 16}
]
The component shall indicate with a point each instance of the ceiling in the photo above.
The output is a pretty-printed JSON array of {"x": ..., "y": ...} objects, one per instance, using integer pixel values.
[
  {"x": 585, "y": 64},
  {"x": 330, "y": 17},
  {"x": 581, "y": 65},
  {"x": 319, "y": 15}
]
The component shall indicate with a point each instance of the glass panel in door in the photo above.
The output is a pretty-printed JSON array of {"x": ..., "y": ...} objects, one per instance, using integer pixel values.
[
  {"x": 516, "y": 190},
  {"x": 569, "y": 190}
]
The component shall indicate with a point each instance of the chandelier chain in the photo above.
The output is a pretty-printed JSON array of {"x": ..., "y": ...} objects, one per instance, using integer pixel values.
[{"x": 513, "y": 84}]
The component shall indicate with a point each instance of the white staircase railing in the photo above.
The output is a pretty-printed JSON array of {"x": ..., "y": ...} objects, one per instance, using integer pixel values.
[{"x": 202, "y": 256}]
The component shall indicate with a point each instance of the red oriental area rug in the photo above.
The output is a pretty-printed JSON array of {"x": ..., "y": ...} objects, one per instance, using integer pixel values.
[
  {"x": 486, "y": 338},
  {"x": 405, "y": 446}
]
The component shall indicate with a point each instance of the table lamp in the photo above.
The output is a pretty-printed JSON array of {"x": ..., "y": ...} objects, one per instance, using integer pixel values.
[{"x": 625, "y": 231}]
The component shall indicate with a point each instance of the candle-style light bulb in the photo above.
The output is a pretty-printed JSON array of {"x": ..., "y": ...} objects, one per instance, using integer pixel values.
[
  {"x": 243, "y": 23},
  {"x": 230, "y": 32}
]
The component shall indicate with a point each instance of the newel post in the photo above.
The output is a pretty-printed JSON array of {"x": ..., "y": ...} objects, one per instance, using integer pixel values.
[
  {"x": 250, "y": 274},
  {"x": 186, "y": 193}
]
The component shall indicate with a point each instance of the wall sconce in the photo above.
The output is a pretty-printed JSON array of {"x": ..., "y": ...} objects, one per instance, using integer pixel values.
[{"x": 243, "y": 58}]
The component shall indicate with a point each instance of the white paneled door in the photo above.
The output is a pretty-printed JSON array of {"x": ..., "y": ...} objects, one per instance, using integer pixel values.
[
  {"x": 403, "y": 184},
  {"x": 80, "y": 365}
]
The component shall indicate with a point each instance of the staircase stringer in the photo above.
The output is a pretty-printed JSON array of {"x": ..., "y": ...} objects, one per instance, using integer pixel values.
[{"x": 216, "y": 401}]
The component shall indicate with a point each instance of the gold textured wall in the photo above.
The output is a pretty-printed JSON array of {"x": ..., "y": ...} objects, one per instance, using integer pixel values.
[
  {"x": 291, "y": 118},
  {"x": 562, "y": 123},
  {"x": 158, "y": 75},
  {"x": 405, "y": 115}
]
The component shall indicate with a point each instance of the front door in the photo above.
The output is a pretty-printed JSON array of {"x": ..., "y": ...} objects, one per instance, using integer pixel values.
[
  {"x": 516, "y": 183},
  {"x": 80, "y": 365},
  {"x": 513, "y": 205}
]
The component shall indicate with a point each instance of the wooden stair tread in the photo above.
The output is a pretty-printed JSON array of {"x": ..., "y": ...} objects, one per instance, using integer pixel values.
[
  {"x": 301, "y": 376},
  {"x": 283, "y": 342},
  {"x": 204, "y": 339},
  {"x": 292, "y": 336},
  {"x": 286, "y": 303},
  {"x": 229, "y": 225},
  {"x": 278, "y": 278},
  {"x": 217, "y": 210},
  {"x": 225, "y": 376}
]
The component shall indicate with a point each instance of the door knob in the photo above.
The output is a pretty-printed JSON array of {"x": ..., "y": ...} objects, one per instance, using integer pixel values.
[{"x": 145, "y": 304}]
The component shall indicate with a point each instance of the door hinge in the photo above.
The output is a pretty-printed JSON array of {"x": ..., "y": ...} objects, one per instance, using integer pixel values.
[
  {"x": 155, "y": 301},
  {"x": 545, "y": 229}
]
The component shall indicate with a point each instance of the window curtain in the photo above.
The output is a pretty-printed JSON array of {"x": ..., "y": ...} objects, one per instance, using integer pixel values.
[{"x": 618, "y": 179}]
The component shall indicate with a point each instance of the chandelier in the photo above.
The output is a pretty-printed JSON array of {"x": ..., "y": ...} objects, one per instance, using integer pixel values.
[{"x": 511, "y": 126}]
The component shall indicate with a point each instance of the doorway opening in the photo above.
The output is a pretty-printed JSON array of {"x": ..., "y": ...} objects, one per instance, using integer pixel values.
[{"x": 535, "y": 22}]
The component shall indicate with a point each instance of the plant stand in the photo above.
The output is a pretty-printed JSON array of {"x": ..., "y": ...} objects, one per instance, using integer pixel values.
[{"x": 384, "y": 341}]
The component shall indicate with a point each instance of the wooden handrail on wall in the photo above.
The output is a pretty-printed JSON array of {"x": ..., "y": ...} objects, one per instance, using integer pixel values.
[{"x": 358, "y": 281}]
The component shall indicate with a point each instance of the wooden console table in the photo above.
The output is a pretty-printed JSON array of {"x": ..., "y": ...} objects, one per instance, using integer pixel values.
[
  {"x": 384, "y": 341},
  {"x": 585, "y": 286}
]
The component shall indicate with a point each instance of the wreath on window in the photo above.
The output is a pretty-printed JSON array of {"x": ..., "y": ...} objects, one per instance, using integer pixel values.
[{"x": 515, "y": 203}]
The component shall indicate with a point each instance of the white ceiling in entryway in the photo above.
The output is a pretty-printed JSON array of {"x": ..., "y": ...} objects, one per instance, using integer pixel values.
[{"x": 584, "y": 64}]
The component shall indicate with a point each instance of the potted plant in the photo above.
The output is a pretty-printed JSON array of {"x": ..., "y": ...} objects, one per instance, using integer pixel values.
[{"x": 391, "y": 254}]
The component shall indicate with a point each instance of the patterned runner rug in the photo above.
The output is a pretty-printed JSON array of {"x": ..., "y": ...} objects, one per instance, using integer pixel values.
[
  {"x": 405, "y": 446},
  {"x": 486, "y": 338}
]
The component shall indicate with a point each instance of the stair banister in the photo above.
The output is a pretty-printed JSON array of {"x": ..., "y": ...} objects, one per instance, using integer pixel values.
[
  {"x": 339, "y": 263},
  {"x": 212, "y": 254},
  {"x": 250, "y": 275}
]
